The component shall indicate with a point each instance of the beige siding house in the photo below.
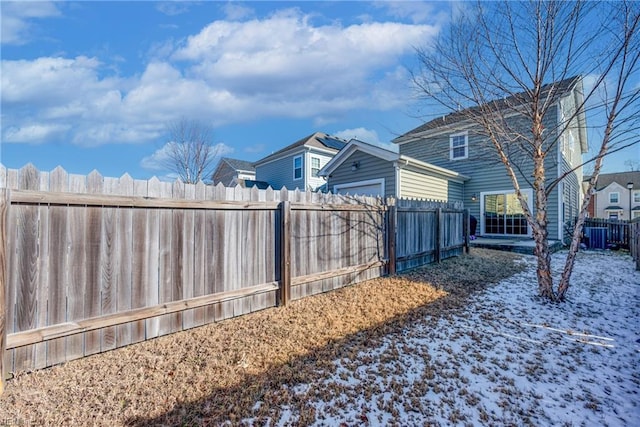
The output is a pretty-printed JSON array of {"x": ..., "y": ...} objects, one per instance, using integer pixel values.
[{"x": 617, "y": 196}]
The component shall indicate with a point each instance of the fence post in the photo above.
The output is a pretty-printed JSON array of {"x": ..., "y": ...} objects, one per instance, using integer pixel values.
[
  {"x": 391, "y": 237},
  {"x": 438, "y": 234},
  {"x": 284, "y": 293},
  {"x": 466, "y": 217},
  {"x": 4, "y": 211}
]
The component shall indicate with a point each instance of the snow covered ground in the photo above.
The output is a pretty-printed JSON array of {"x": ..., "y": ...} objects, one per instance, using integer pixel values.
[{"x": 507, "y": 359}]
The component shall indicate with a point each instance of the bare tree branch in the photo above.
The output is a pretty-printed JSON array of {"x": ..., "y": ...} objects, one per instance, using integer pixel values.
[
  {"x": 501, "y": 60},
  {"x": 191, "y": 152}
]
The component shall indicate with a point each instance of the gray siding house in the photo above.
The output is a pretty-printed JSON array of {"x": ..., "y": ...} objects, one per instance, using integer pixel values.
[
  {"x": 455, "y": 143},
  {"x": 365, "y": 169},
  {"x": 298, "y": 165},
  {"x": 230, "y": 172}
]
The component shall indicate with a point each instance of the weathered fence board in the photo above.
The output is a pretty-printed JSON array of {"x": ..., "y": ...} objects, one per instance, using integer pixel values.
[{"x": 95, "y": 263}]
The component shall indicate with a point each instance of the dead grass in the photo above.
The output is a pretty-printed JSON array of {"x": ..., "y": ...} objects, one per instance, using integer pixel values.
[{"x": 215, "y": 374}]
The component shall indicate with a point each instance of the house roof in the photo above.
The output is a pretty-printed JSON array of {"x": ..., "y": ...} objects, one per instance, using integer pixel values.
[
  {"x": 318, "y": 140},
  {"x": 389, "y": 155},
  {"x": 613, "y": 208},
  {"x": 622, "y": 178},
  {"x": 560, "y": 88},
  {"x": 239, "y": 165}
]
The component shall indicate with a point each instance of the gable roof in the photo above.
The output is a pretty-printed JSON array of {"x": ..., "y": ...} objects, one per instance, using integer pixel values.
[
  {"x": 387, "y": 155},
  {"x": 239, "y": 165},
  {"x": 318, "y": 140},
  {"x": 560, "y": 89},
  {"x": 622, "y": 178}
]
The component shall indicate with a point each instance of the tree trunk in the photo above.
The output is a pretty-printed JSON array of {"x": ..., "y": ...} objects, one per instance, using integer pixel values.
[{"x": 543, "y": 270}]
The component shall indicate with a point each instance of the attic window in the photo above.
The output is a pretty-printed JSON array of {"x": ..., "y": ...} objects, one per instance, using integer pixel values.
[{"x": 458, "y": 146}]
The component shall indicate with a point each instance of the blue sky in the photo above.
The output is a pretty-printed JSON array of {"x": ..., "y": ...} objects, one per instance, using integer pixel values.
[{"x": 92, "y": 85}]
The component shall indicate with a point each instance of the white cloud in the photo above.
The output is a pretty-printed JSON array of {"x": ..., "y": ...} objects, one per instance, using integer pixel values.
[
  {"x": 172, "y": 8},
  {"x": 415, "y": 11},
  {"x": 34, "y": 133},
  {"x": 365, "y": 135},
  {"x": 230, "y": 72},
  {"x": 16, "y": 19},
  {"x": 235, "y": 11},
  {"x": 362, "y": 134}
]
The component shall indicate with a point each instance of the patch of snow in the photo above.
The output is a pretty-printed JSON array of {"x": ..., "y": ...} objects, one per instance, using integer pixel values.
[{"x": 507, "y": 358}]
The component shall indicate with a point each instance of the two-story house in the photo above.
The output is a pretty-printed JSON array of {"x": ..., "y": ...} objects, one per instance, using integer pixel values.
[
  {"x": 230, "y": 171},
  {"x": 297, "y": 165},
  {"x": 457, "y": 143},
  {"x": 616, "y": 196},
  {"x": 451, "y": 159}
]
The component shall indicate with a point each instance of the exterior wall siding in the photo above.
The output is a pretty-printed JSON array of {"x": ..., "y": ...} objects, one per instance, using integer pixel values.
[
  {"x": 371, "y": 167},
  {"x": 415, "y": 184},
  {"x": 279, "y": 173},
  {"x": 314, "y": 182},
  {"x": 483, "y": 166},
  {"x": 224, "y": 174}
]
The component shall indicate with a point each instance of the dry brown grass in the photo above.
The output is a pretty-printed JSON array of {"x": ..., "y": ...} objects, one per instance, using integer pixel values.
[{"x": 217, "y": 373}]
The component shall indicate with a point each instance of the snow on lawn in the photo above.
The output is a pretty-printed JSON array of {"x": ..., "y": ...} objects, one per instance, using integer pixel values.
[{"x": 508, "y": 358}]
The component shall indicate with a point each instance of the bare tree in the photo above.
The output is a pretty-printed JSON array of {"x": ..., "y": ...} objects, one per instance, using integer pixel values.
[
  {"x": 500, "y": 59},
  {"x": 190, "y": 151}
]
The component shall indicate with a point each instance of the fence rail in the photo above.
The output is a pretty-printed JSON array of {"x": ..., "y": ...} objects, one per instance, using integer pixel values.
[{"x": 89, "y": 264}]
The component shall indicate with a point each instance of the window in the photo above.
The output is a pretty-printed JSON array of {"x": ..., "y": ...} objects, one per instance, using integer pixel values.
[
  {"x": 613, "y": 215},
  {"x": 635, "y": 214},
  {"x": 636, "y": 196},
  {"x": 614, "y": 197},
  {"x": 315, "y": 166},
  {"x": 297, "y": 167},
  {"x": 458, "y": 145}
]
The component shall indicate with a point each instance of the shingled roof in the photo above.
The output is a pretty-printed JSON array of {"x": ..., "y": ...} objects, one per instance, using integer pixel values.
[
  {"x": 622, "y": 178},
  {"x": 318, "y": 140},
  {"x": 561, "y": 88},
  {"x": 239, "y": 165}
]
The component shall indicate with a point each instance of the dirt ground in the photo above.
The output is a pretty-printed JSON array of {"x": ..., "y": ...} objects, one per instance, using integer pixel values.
[{"x": 215, "y": 374}]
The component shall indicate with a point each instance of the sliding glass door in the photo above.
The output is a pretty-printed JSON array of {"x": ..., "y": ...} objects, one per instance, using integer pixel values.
[{"x": 503, "y": 215}]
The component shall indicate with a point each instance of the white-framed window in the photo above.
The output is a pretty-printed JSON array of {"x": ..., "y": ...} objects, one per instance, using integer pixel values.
[
  {"x": 614, "y": 197},
  {"x": 459, "y": 146},
  {"x": 613, "y": 215},
  {"x": 315, "y": 166},
  {"x": 635, "y": 214},
  {"x": 636, "y": 196},
  {"x": 297, "y": 167}
]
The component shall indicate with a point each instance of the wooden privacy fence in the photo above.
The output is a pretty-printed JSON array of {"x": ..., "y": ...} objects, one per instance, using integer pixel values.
[{"x": 89, "y": 264}]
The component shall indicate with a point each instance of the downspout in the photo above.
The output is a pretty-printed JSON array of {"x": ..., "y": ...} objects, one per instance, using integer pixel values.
[{"x": 560, "y": 186}]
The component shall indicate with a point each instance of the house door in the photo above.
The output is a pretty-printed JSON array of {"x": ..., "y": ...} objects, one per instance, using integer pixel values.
[{"x": 503, "y": 215}]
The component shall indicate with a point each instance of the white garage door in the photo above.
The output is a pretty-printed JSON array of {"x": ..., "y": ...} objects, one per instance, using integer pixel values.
[{"x": 374, "y": 187}]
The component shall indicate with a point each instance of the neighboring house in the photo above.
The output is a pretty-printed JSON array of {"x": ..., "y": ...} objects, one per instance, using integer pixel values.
[
  {"x": 616, "y": 196},
  {"x": 366, "y": 169},
  {"x": 298, "y": 164},
  {"x": 455, "y": 143},
  {"x": 229, "y": 172}
]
